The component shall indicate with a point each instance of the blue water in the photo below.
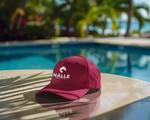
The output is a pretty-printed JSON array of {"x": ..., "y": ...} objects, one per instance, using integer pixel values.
[{"x": 121, "y": 62}]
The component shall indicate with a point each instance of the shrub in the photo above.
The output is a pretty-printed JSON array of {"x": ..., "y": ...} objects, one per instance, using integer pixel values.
[{"x": 38, "y": 30}]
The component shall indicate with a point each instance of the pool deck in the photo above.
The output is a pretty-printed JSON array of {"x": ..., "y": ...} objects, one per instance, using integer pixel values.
[
  {"x": 140, "y": 42},
  {"x": 121, "y": 98}
]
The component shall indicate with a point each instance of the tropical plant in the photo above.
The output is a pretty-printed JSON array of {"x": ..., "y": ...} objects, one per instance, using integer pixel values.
[
  {"x": 138, "y": 15},
  {"x": 74, "y": 12},
  {"x": 10, "y": 10},
  {"x": 74, "y": 15},
  {"x": 132, "y": 10},
  {"x": 49, "y": 10},
  {"x": 38, "y": 30},
  {"x": 93, "y": 14},
  {"x": 128, "y": 7}
]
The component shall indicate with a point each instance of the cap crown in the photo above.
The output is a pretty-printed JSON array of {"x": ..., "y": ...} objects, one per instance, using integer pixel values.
[{"x": 75, "y": 72}]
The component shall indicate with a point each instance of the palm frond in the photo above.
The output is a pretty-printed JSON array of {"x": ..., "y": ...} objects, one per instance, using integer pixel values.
[
  {"x": 142, "y": 6},
  {"x": 140, "y": 18}
]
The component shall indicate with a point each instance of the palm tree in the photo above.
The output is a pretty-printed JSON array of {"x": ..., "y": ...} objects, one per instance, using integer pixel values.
[
  {"x": 130, "y": 12},
  {"x": 93, "y": 14},
  {"x": 83, "y": 13},
  {"x": 129, "y": 8},
  {"x": 83, "y": 24},
  {"x": 134, "y": 11}
]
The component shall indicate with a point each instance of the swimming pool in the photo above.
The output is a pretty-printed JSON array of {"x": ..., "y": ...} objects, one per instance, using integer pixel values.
[{"x": 114, "y": 59}]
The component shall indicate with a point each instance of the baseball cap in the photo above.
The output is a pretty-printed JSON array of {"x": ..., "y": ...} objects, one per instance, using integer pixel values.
[
  {"x": 73, "y": 77},
  {"x": 83, "y": 108}
]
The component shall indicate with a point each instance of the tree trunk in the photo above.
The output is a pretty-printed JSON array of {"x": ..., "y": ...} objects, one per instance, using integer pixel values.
[{"x": 129, "y": 18}]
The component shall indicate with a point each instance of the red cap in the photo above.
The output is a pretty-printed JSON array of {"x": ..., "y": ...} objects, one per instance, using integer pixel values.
[{"x": 73, "y": 77}]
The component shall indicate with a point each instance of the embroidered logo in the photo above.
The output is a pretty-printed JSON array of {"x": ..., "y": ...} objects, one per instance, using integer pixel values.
[
  {"x": 61, "y": 75},
  {"x": 62, "y": 68}
]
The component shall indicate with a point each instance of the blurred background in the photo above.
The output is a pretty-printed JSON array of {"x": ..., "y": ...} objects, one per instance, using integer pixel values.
[{"x": 48, "y": 19}]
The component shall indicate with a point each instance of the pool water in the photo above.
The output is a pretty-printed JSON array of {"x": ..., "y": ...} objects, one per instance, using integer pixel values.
[{"x": 114, "y": 61}]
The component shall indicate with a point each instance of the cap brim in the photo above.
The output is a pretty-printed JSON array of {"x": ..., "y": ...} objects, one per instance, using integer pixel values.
[{"x": 67, "y": 94}]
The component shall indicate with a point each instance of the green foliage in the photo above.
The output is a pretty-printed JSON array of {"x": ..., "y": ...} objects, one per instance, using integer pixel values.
[
  {"x": 93, "y": 14},
  {"x": 77, "y": 14},
  {"x": 138, "y": 15},
  {"x": 38, "y": 30},
  {"x": 136, "y": 33}
]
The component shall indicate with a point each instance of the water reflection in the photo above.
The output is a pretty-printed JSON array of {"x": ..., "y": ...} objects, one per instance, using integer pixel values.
[
  {"x": 83, "y": 108},
  {"x": 136, "y": 65},
  {"x": 121, "y": 63}
]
